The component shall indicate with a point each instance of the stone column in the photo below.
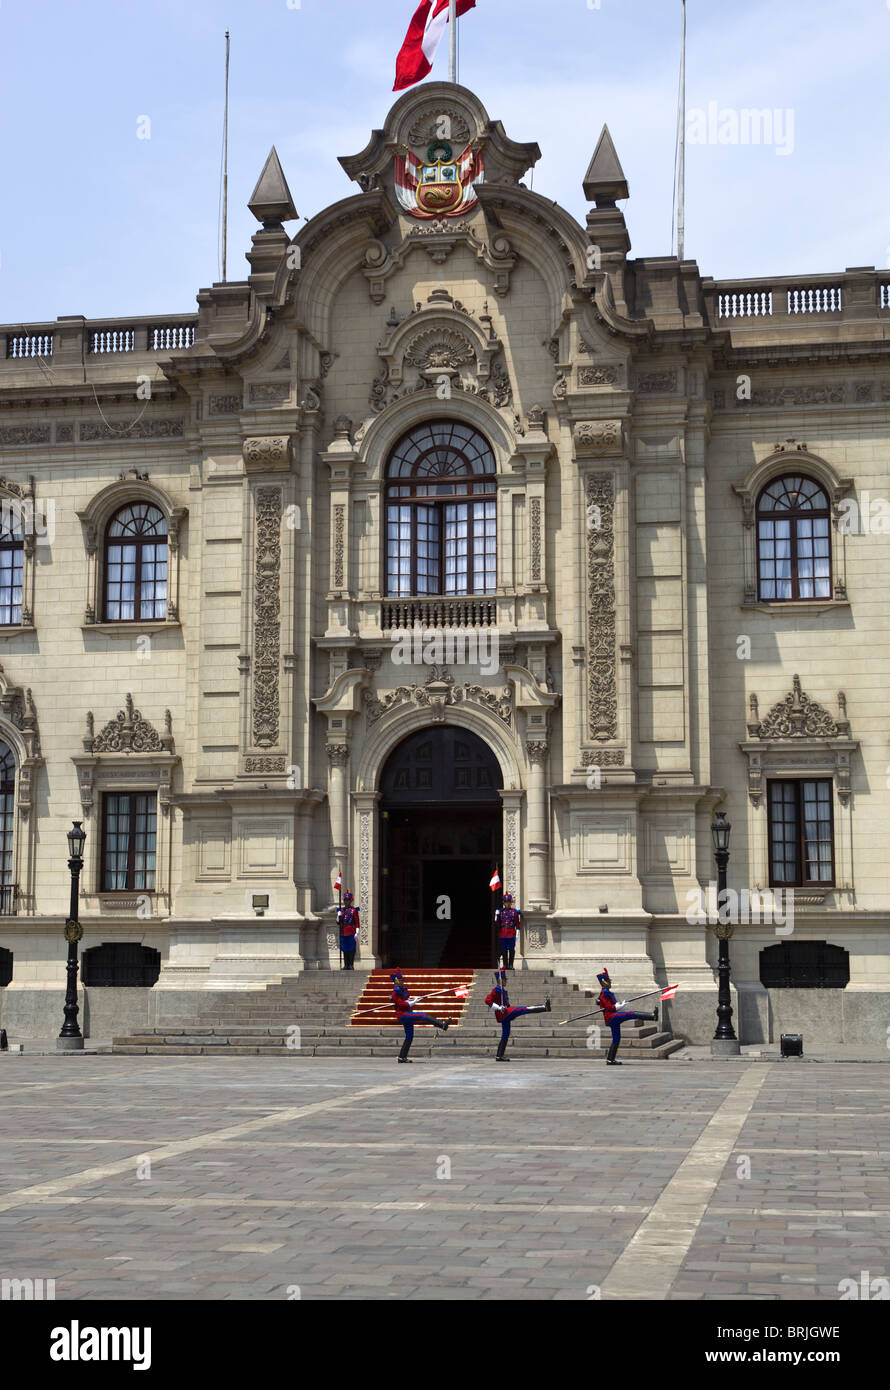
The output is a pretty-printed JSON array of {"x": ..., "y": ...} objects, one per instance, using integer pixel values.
[
  {"x": 538, "y": 837},
  {"x": 338, "y": 797}
]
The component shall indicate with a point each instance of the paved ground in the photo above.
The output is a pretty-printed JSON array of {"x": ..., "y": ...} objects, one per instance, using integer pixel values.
[{"x": 197, "y": 1179}]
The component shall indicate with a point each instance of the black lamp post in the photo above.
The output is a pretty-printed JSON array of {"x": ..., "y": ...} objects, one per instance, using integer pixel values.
[
  {"x": 70, "y": 1038},
  {"x": 724, "y": 1038}
]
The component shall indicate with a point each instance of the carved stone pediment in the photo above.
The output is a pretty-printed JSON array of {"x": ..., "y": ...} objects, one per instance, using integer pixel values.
[
  {"x": 438, "y": 692},
  {"x": 797, "y": 716},
  {"x": 129, "y": 732},
  {"x": 439, "y": 338}
]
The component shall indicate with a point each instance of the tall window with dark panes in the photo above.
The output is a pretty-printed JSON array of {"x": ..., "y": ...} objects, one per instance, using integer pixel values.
[
  {"x": 801, "y": 830},
  {"x": 129, "y": 842},
  {"x": 7, "y": 826},
  {"x": 441, "y": 513},
  {"x": 793, "y": 541},
  {"x": 136, "y": 565},
  {"x": 12, "y": 552}
]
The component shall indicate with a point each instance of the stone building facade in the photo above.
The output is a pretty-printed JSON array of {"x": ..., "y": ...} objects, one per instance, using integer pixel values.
[{"x": 644, "y": 507}]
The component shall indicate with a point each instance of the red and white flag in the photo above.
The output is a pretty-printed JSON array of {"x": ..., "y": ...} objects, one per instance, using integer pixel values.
[
  {"x": 495, "y": 881},
  {"x": 415, "y": 61},
  {"x": 669, "y": 992},
  {"x": 338, "y": 882},
  {"x": 462, "y": 992}
]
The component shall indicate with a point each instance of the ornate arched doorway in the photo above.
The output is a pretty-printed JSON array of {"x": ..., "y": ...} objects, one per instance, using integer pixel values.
[{"x": 441, "y": 824}]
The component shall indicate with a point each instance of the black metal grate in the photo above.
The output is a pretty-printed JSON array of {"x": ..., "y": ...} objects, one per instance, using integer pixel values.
[
  {"x": 804, "y": 965},
  {"x": 5, "y": 966},
  {"x": 121, "y": 964}
]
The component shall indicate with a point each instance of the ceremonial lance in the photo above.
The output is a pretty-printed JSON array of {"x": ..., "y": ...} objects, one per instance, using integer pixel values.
[{"x": 667, "y": 993}]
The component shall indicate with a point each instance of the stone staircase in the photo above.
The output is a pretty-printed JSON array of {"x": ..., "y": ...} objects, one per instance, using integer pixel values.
[{"x": 309, "y": 1016}]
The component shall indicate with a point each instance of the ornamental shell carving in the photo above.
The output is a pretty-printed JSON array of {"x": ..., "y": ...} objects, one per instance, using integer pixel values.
[{"x": 129, "y": 732}]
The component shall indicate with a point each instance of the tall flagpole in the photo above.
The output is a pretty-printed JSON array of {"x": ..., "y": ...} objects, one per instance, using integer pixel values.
[
  {"x": 452, "y": 40},
  {"x": 225, "y": 211},
  {"x": 681, "y": 199}
]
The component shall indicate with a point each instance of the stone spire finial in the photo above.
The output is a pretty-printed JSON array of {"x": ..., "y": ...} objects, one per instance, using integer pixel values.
[
  {"x": 604, "y": 181},
  {"x": 271, "y": 202}
]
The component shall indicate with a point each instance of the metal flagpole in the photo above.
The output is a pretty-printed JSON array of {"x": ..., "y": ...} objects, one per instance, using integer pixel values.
[
  {"x": 681, "y": 199},
  {"x": 452, "y": 39},
  {"x": 225, "y": 210}
]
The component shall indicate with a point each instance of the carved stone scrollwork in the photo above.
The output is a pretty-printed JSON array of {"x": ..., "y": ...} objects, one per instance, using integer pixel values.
[
  {"x": 537, "y": 752},
  {"x": 338, "y": 754},
  {"x": 339, "y": 546},
  {"x": 601, "y": 757},
  {"x": 602, "y": 700},
  {"x": 438, "y": 692},
  {"x": 534, "y": 527},
  {"x": 267, "y": 454},
  {"x": 598, "y": 438},
  {"x": 797, "y": 716},
  {"x": 128, "y": 732},
  {"x": 267, "y": 615}
]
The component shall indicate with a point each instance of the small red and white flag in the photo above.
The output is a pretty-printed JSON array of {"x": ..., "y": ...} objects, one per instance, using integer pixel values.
[
  {"x": 338, "y": 882},
  {"x": 415, "y": 61},
  {"x": 462, "y": 992},
  {"x": 669, "y": 992},
  {"x": 495, "y": 881}
]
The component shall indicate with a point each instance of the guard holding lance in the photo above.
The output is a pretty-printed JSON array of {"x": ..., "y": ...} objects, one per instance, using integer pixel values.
[
  {"x": 348, "y": 922},
  {"x": 402, "y": 1003},
  {"x": 499, "y": 1002},
  {"x": 507, "y": 918},
  {"x": 613, "y": 1016}
]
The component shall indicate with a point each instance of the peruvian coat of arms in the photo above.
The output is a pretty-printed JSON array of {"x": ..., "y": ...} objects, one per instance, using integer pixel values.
[{"x": 440, "y": 187}]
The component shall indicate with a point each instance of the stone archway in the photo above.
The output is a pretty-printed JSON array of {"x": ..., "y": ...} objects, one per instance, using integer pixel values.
[{"x": 441, "y": 835}]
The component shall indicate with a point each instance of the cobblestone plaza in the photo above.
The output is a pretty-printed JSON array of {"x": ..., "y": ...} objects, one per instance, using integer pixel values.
[{"x": 149, "y": 1179}]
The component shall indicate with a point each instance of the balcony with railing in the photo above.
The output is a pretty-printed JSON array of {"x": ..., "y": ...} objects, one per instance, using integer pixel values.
[
  {"x": 402, "y": 613},
  {"x": 847, "y": 304},
  {"x": 73, "y": 340}
]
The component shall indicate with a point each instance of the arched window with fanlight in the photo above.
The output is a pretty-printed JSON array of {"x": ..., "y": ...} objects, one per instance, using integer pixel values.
[
  {"x": 7, "y": 825},
  {"x": 441, "y": 512},
  {"x": 12, "y": 556},
  {"x": 136, "y": 565},
  {"x": 793, "y": 540}
]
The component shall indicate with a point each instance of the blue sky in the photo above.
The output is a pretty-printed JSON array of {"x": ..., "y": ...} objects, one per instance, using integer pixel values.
[{"x": 98, "y": 222}]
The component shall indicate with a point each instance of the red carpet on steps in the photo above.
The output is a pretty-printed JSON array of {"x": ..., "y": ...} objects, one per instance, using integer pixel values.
[{"x": 420, "y": 982}]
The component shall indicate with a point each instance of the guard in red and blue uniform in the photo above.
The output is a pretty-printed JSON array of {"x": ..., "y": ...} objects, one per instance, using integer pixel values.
[
  {"x": 507, "y": 919},
  {"x": 614, "y": 1016},
  {"x": 407, "y": 1016},
  {"x": 348, "y": 921},
  {"x": 505, "y": 1012}
]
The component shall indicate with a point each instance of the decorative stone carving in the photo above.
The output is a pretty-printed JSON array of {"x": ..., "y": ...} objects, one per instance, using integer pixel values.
[
  {"x": 500, "y": 392},
  {"x": 339, "y": 546},
  {"x": 536, "y": 417},
  {"x": 657, "y": 383},
  {"x": 601, "y": 757},
  {"x": 265, "y": 764},
  {"x": 64, "y": 433},
  {"x": 534, "y": 528},
  {"x": 338, "y": 754},
  {"x": 311, "y": 404},
  {"x": 268, "y": 392},
  {"x": 364, "y": 874},
  {"x": 537, "y": 752},
  {"x": 797, "y": 716},
  {"x": 377, "y": 394},
  {"x": 15, "y": 435},
  {"x": 602, "y": 700},
  {"x": 437, "y": 692},
  {"x": 439, "y": 350},
  {"x": 561, "y": 389},
  {"x": 225, "y": 405},
  {"x": 598, "y": 438},
  {"x": 326, "y": 363},
  {"x": 796, "y": 395},
  {"x": 95, "y": 431},
  {"x": 128, "y": 732},
  {"x": 512, "y": 855},
  {"x": 267, "y": 616},
  {"x": 270, "y": 453},
  {"x": 438, "y": 122},
  {"x": 598, "y": 376}
]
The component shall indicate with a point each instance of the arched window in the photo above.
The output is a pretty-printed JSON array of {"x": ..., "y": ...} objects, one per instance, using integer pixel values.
[
  {"x": 12, "y": 555},
  {"x": 121, "y": 965},
  {"x": 136, "y": 565},
  {"x": 7, "y": 822},
  {"x": 441, "y": 513},
  {"x": 793, "y": 546}
]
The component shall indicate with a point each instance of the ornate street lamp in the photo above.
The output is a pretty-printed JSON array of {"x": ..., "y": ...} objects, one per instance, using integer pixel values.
[
  {"x": 70, "y": 1038},
  {"x": 724, "y": 1042}
]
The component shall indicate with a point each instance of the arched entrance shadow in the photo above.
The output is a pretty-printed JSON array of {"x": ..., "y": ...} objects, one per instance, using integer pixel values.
[{"x": 441, "y": 834}]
